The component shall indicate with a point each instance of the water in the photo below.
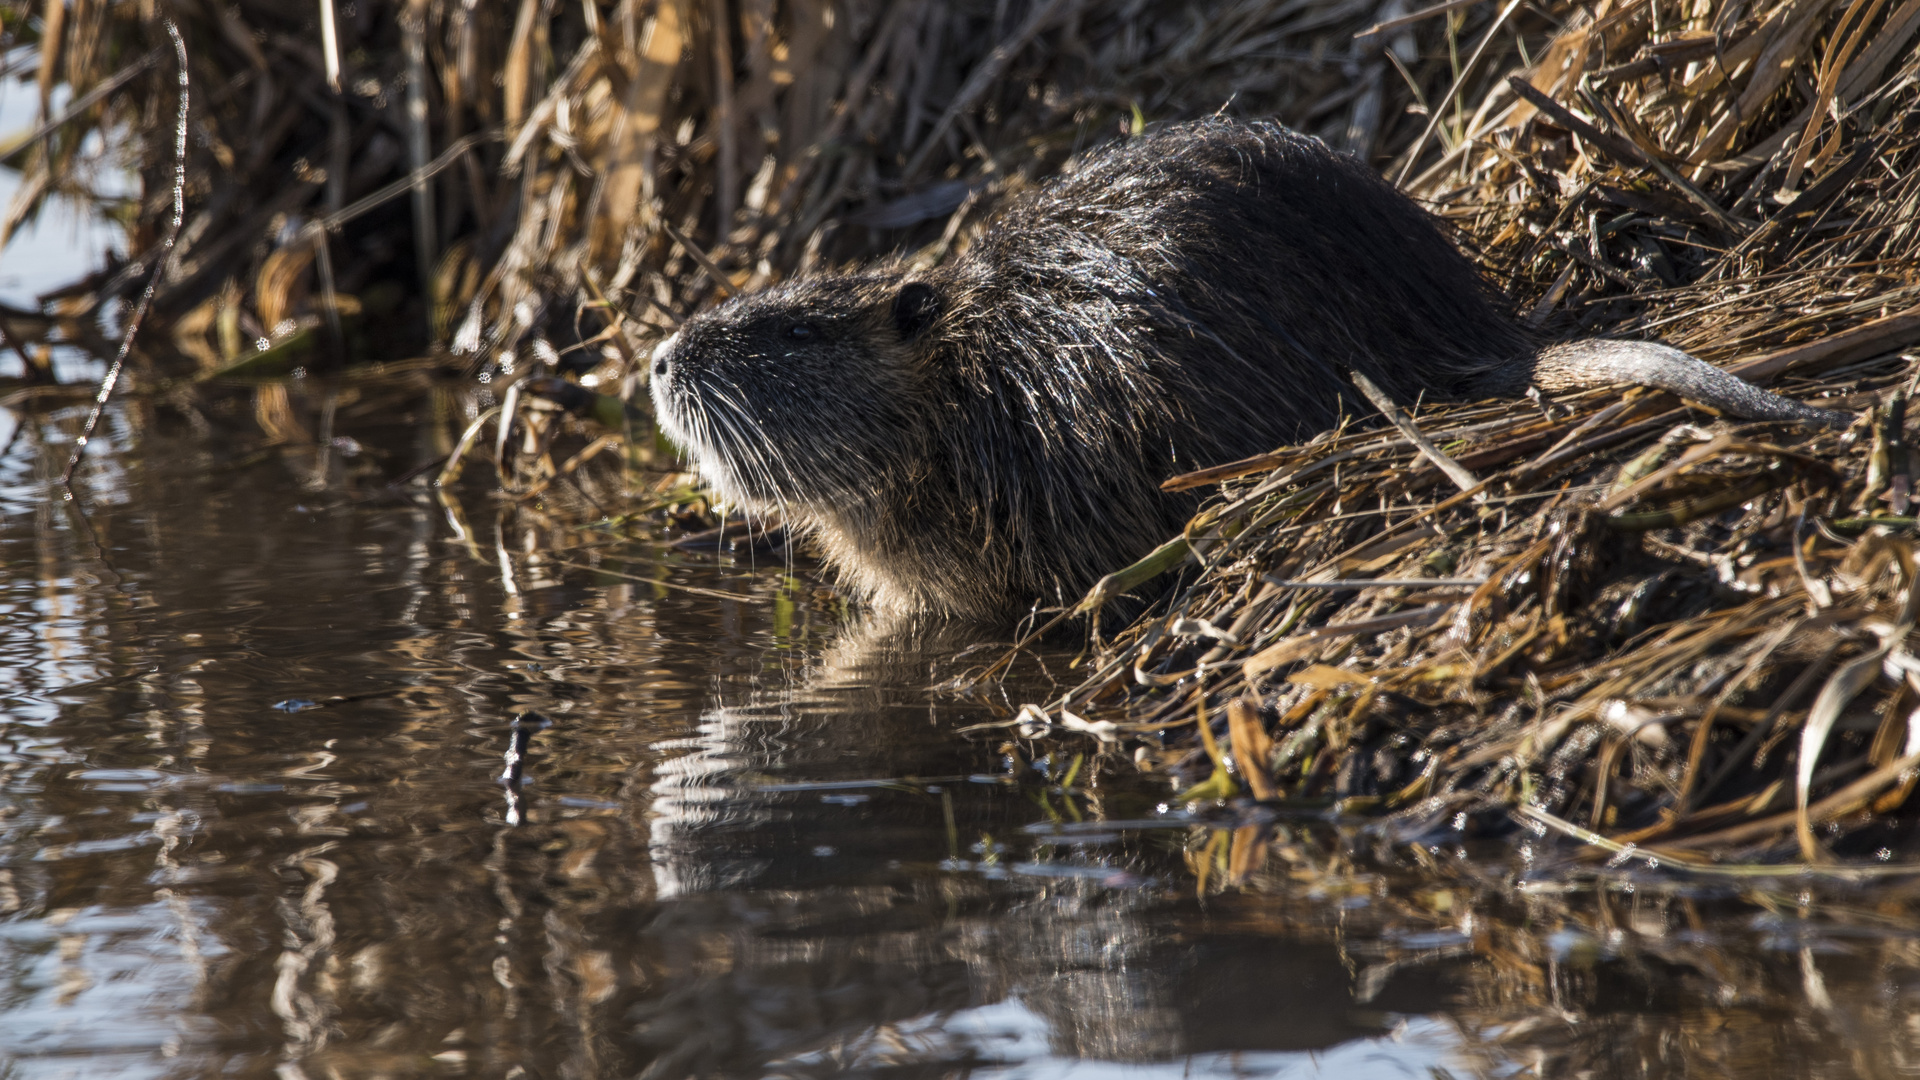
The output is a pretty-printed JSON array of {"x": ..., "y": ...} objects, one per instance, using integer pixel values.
[{"x": 252, "y": 824}]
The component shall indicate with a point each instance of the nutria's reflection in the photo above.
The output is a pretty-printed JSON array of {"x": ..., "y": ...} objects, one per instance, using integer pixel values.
[{"x": 847, "y": 912}]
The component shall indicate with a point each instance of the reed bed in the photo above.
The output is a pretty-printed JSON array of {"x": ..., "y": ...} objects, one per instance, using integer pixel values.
[{"x": 1610, "y": 615}]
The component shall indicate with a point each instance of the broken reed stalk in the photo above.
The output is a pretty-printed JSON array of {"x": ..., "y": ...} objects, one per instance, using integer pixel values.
[
  {"x": 160, "y": 268},
  {"x": 1461, "y": 478}
]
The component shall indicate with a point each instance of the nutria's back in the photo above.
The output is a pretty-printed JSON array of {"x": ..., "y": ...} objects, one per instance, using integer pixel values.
[{"x": 994, "y": 432}]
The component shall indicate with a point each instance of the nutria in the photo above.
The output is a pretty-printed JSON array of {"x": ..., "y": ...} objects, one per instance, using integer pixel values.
[{"x": 973, "y": 438}]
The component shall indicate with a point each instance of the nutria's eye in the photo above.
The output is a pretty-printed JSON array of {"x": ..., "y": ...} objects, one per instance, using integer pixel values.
[
  {"x": 915, "y": 307},
  {"x": 801, "y": 331}
]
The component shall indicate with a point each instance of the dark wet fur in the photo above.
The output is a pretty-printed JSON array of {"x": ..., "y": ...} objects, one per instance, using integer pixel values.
[{"x": 993, "y": 432}]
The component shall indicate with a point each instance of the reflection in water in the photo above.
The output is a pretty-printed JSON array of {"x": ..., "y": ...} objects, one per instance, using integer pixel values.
[{"x": 266, "y": 810}]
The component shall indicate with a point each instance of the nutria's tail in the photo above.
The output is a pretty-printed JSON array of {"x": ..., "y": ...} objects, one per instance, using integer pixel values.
[{"x": 1582, "y": 365}]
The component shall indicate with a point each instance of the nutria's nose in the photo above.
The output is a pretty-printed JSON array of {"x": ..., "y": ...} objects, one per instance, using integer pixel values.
[{"x": 663, "y": 355}]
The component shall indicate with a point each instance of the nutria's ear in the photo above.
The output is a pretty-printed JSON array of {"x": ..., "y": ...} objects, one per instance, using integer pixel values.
[{"x": 915, "y": 307}]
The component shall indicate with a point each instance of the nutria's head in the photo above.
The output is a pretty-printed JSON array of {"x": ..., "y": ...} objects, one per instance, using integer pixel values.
[{"x": 806, "y": 397}]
